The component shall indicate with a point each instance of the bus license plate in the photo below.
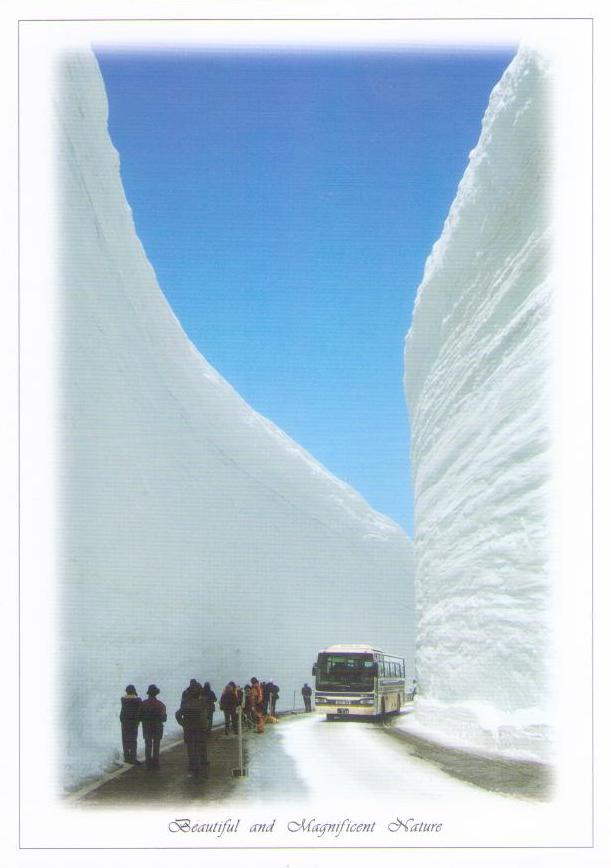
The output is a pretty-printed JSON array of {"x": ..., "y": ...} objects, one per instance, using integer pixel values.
[{"x": 342, "y": 711}]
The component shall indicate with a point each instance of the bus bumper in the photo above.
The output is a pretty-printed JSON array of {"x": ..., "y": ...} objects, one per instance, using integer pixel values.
[{"x": 345, "y": 710}]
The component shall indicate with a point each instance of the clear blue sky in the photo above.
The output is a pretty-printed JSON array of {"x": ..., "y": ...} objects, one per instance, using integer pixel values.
[{"x": 288, "y": 202}]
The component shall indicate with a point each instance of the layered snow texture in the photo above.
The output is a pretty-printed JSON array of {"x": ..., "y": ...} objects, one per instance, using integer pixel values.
[
  {"x": 476, "y": 372},
  {"x": 198, "y": 539}
]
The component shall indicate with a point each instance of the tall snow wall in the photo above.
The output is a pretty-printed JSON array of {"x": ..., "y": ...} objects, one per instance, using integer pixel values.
[
  {"x": 198, "y": 539},
  {"x": 477, "y": 367}
]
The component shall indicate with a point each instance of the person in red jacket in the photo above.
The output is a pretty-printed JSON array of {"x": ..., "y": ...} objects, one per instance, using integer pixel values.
[
  {"x": 255, "y": 699},
  {"x": 153, "y": 715}
]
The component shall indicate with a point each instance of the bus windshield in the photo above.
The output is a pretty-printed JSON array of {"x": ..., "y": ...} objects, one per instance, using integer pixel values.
[{"x": 342, "y": 671}]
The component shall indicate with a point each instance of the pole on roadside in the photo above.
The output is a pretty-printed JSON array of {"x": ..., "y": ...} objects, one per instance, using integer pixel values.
[{"x": 241, "y": 771}]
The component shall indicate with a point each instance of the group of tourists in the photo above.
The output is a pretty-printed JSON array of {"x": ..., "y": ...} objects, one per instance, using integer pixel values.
[
  {"x": 254, "y": 702},
  {"x": 247, "y": 702}
]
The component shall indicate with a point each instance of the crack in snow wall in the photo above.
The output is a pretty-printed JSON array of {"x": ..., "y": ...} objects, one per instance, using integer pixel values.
[
  {"x": 198, "y": 539},
  {"x": 476, "y": 373}
]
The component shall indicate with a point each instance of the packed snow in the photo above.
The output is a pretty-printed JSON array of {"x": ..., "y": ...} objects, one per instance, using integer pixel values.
[
  {"x": 198, "y": 540},
  {"x": 477, "y": 367},
  {"x": 336, "y": 760}
]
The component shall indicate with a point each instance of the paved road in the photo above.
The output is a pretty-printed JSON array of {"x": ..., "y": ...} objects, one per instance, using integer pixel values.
[
  {"x": 306, "y": 758},
  {"x": 172, "y": 783}
]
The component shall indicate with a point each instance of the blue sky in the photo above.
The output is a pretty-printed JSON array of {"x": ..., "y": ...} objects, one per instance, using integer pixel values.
[{"x": 288, "y": 202}]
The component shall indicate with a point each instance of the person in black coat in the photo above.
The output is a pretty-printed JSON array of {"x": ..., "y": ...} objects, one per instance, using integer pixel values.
[
  {"x": 274, "y": 693},
  {"x": 153, "y": 715},
  {"x": 229, "y": 706},
  {"x": 265, "y": 690},
  {"x": 130, "y": 721},
  {"x": 306, "y": 692},
  {"x": 193, "y": 717},
  {"x": 211, "y": 699}
]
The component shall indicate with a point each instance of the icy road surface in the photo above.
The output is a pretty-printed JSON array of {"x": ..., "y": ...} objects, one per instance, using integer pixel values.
[
  {"x": 311, "y": 759},
  {"x": 306, "y": 759}
]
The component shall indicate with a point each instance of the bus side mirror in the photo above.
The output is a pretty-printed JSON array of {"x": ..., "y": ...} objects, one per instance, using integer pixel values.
[
  {"x": 375, "y": 670},
  {"x": 314, "y": 669}
]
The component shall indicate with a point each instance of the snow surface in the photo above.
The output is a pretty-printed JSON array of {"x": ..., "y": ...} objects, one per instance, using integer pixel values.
[
  {"x": 477, "y": 376},
  {"x": 326, "y": 763},
  {"x": 198, "y": 539}
]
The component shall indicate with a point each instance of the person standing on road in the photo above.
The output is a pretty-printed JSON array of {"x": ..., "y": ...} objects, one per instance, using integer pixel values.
[
  {"x": 249, "y": 717},
  {"x": 274, "y": 693},
  {"x": 130, "y": 721},
  {"x": 192, "y": 684},
  {"x": 153, "y": 715},
  {"x": 193, "y": 717},
  {"x": 255, "y": 698},
  {"x": 306, "y": 692},
  {"x": 265, "y": 688},
  {"x": 210, "y": 696},
  {"x": 229, "y": 706}
]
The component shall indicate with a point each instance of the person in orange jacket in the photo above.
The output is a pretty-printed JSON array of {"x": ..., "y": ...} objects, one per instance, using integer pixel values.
[{"x": 255, "y": 698}]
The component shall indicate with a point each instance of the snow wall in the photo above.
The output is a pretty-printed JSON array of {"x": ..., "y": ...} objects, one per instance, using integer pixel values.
[
  {"x": 477, "y": 368},
  {"x": 198, "y": 539}
]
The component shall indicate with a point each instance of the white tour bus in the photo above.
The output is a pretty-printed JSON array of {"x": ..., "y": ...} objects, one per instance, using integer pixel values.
[{"x": 358, "y": 679}]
